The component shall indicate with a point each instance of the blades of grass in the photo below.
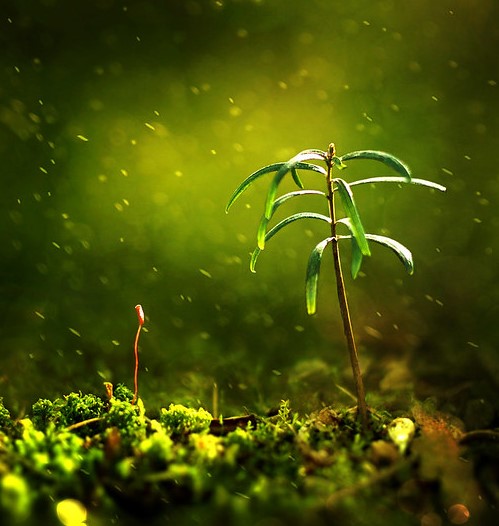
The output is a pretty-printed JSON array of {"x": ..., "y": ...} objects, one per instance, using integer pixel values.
[
  {"x": 397, "y": 179},
  {"x": 273, "y": 231},
  {"x": 386, "y": 158},
  {"x": 250, "y": 179},
  {"x": 352, "y": 212},
  {"x": 296, "y": 162},
  {"x": 312, "y": 277},
  {"x": 262, "y": 227},
  {"x": 402, "y": 252}
]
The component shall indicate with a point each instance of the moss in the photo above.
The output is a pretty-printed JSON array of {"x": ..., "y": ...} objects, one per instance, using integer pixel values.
[
  {"x": 316, "y": 470},
  {"x": 181, "y": 420}
]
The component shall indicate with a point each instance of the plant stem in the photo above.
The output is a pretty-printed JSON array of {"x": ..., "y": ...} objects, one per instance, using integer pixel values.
[{"x": 342, "y": 298}]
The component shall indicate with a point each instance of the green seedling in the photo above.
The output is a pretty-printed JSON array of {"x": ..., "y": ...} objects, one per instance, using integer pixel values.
[{"x": 351, "y": 224}]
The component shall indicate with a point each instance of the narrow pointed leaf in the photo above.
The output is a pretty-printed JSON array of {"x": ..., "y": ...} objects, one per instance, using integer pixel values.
[
  {"x": 357, "y": 258},
  {"x": 296, "y": 178},
  {"x": 249, "y": 180},
  {"x": 273, "y": 231},
  {"x": 356, "y": 226},
  {"x": 264, "y": 221},
  {"x": 403, "y": 253},
  {"x": 275, "y": 167},
  {"x": 357, "y": 255},
  {"x": 291, "y": 219},
  {"x": 296, "y": 162},
  {"x": 397, "y": 179},
  {"x": 254, "y": 257},
  {"x": 312, "y": 277},
  {"x": 386, "y": 158},
  {"x": 338, "y": 163},
  {"x": 262, "y": 231}
]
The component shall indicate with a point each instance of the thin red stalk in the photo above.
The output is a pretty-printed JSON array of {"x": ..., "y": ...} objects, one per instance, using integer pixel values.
[{"x": 140, "y": 315}]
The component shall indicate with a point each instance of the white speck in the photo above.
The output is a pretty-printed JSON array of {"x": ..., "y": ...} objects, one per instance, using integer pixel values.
[
  {"x": 82, "y": 138},
  {"x": 74, "y": 331}
]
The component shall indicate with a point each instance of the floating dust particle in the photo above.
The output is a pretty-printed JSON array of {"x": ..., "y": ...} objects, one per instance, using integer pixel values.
[
  {"x": 116, "y": 343},
  {"x": 477, "y": 220},
  {"x": 282, "y": 84},
  {"x": 43, "y": 170},
  {"x": 276, "y": 372},
  {"x": 447, "y": 171},
  {"x": 299, "y": 328},
  {"x": 473, "y": 344},
  {"x": 124, "y": 172},
  {"x": 433, "y": 97},
  {"x": 156, "y": 112},
  {"x": 178, "y": 173},
  {"x": 39, "y": 314},
  {"x": 74, "y": 331},
  {"x": 82, "y": 138},
  {"x": 150, "y": 126},
  {"x": 56, "y": 245},
  {"x": 374, "y": 333},
  {"x": 205, "y": 273},
  {"x": 213, "y": 152},
  {"x": 119, "y": 207}
]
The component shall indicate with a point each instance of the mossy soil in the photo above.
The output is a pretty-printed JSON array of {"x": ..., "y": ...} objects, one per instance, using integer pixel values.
[{"x": 99, "y": 459}]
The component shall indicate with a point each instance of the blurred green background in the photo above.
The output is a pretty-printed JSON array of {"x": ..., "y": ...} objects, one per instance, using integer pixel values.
[{"x": 125, "y": 127}]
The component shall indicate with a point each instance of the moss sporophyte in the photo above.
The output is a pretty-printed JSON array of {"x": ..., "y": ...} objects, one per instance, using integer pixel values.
[{"x": 351, "y": 224}]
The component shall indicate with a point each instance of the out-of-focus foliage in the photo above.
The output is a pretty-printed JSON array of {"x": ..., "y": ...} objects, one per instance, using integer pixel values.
[{"x": 125, "y": 126}]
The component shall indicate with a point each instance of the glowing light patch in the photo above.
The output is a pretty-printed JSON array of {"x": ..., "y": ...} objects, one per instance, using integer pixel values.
[{"x": 71, "y": 512}]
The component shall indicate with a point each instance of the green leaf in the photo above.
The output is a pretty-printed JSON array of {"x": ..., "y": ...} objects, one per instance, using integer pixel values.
[
  {"x": 352, "y": 212},
  {"x": 357, "y": 255},
  {"x": 264, "y": 221},
  {"x": 296, "y": 178},
  {"x": 291, "y": 219},
  {"x": 312, "y": 277},
  {"x": 403, "y": 253},
  {"x": 249, "y": 180},
  {"x": 262, "y": 232},
  {"x": 254, "y": 257},
  {"x": 297, "y": 163},
  {"x": 397, "y": 179},
  {"x": 338, "y": 163},
  {"x": 386, "y": 158},
  {"x": 275, "y": 167}
]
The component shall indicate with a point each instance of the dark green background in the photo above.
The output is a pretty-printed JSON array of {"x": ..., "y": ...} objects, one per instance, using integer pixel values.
[{"x": 179, "y": 101}]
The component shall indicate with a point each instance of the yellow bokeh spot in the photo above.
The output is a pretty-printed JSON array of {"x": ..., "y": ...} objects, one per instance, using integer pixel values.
[{"x": 71, "y": 512}]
